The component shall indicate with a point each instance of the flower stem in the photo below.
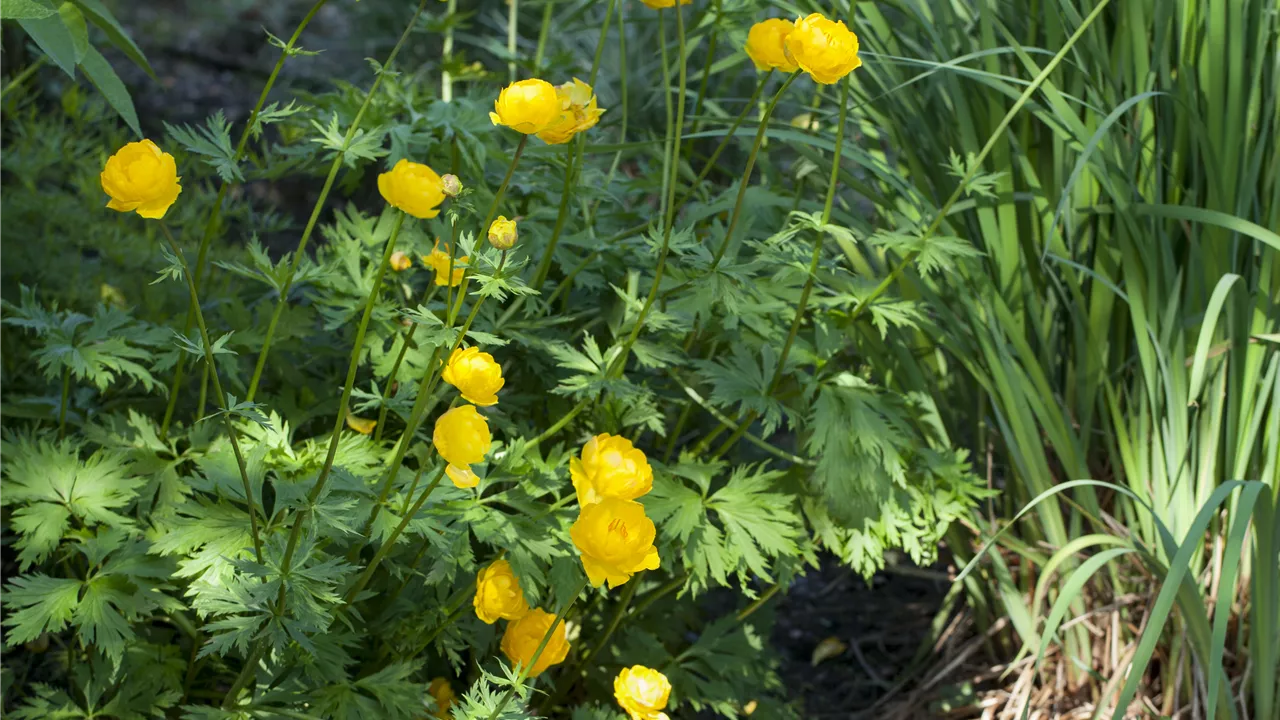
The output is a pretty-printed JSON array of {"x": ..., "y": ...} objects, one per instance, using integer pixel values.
[
  {"x": 543, "y": 32},
  {"x": 513, "y": 18},
  {"x": 21, "y": 77},
  {"x": 706, "y": 73},
  {"x": 62, "y": 407},
  {"x": 212, "y": 223},
  {"x": 446, "y": 54},
  {"x": 217, "y": 389},
  {"x": 809, "y": 280},
  {"x": 544, "y": 265},
  {"x": 526, "y": 668},
  {"x": 301, "y": 250},
  {"x": 670, "y": 191},
  {"x": 568, "y": 679},
  {"x": 390, "y": 542},
  {"x": 395, "y": 367}
]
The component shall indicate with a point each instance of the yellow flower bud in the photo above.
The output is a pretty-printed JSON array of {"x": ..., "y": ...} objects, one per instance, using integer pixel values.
[
  {"x": 578, "y": 112},
  {"x": 400, "y": 261},
  {"x": 616, "y": 541},
  {"x": 442, "y": 692},
  {"x": 610, "y": 467},
  {"x": 141, "y": 178},
  {"x": 766, "y": 45},
  {"x": 452, "y": 186},
  {"x": 660, "y": 4},
  {"x": 364, "y": 426},
  {"x": 476, "y": 375},
  {"x": 498, "y": 594},
  {"x": 825, "y": 49},
  {"x": 526, "y": 106},
  {"x": 523, "y": 636},
  {"x": 413, "y": 188},
  {"x": 502, "y": 233},
  {"x": 439, "y": 261},
  {"x": 642, "y": 692},
  {"x": 462, "y": 438}
]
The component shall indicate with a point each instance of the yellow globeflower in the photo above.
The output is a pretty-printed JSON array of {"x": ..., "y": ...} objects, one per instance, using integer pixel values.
[
  {"x": 502, "y": 233},
  {"x": 578, "y": 112},
  {"x": 438, "y": 261},
  {"x": 610, "y": 467},
  {"x": 400, "y": 261},
  {"x": 442, "y": 692},
  {"x": 526, "y": 106},
  {"x": 413, "y": 188},
  {"x": 523, "y": 636},
  {"x": 660, "y": 4},
  {"x": 766, "y": 45},
  {"x": 462, "y": 438},
  {"x": 498, "y": 594},
  {"x": 475, "y": 374},
  {"x": 141, "y": 178},
  {"x": 642, "y": 692},
  {"x": 826, "y": 49},
  {"x": 616, "y": 541}
]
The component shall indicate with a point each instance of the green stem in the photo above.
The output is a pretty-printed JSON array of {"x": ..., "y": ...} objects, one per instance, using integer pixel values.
[
  {"x": 543, "y": 31},
  {"x": 746, "y": 172},
  {"x": 446, "y": 54},
  {"x": 728, "y": 136},
  {"x": 62, "y": 407},
  {"x": 212, "y": 223},
  {"x": 295, "y": 532},
  {"x": 513, "y": 17},
  {"x": 395, "y": 367},
  {"x": 809, "y": 280},
  {"x": 568, "y": 679},
  {"x": 706, "y": 74},
  {"x": 246, "y": 674},
  {"x": 217, "y": 389},
  {"x": 301, "y": 250},
  {"x": 26, "y": 73},
  {"x": 390, "y": 542},
  {"x": 525, "y": 668},
  {"x": 582, "y": 405},
  {"x": 544, "y": 265},
  {"x": 620, "y": 364}
]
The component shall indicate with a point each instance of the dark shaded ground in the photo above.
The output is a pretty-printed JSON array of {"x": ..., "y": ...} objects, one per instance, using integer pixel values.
[{"x": 213, "y": 55}]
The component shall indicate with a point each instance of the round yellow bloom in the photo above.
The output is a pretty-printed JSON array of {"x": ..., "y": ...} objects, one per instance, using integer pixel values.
[
  {"x": 502, "y": 233},
  {"x": 610, "y": 467},
  {"x": 578, "y": 112},
  {"x": 616, "y": 541},
  {"x": 660, "y": 4},
  {"x": 766, "y": 45},
  {"x": 523, "y": 636},
  {"x": 438, "y": 261},
  {"x": 826, "y": 49},
  {"x": 526, "y": 106},
  {"x": 498, "y": 594},
  {"x": 642, "y": 692},
  {"x": 475, "y": 374},
  {"x": 462, "y": 438},
  {"x": 143, "y": 178},
  {"x": 413, "y": 188},
  {"x": 400, "y": 261},
  {"x": 445, "y": 697}
]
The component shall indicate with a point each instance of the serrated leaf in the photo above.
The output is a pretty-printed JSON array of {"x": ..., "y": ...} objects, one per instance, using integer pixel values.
[{"x": 38, "y": 603}]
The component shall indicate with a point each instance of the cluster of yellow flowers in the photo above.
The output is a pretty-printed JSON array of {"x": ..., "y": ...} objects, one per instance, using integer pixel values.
[
  {"x": 461, "y": 435},
  {"x": 824, "y": 48},
  {"x": 554, "y": 114}
]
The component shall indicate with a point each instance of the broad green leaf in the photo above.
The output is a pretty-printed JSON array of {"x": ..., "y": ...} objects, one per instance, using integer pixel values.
[
  {"x": 26, "y": 9},
  {"x": 99, "y": 15},
  {"x": 77, "y": 28},
  {"x": 103, "y": 77},
  {"x": 53, "y": 36}
]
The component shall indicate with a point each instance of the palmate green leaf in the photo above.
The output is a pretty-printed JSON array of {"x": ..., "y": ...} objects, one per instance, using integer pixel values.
[
  {"x": 389, "y": 693},
  {"x": 273, "y": 274},
  {"x": 736, "y": 378},
  {"x": 937, "y": 253},
  {"x": 274, "y": 113},
  {"x": 206, "y": 536},
  {"x": 364, "y": 145},
  {"x": 47, "y": 482},
  {"x": 213, "y": 141},
  {"x": 99, "y": 619},
  {"x": 38, "y": 603}
]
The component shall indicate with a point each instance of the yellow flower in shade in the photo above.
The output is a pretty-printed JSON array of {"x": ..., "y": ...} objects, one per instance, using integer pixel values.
[
  {"x": 438, "y": 261},
  {"x": 400, "y": 261},
  {"x": 462, "y": 438},
  {"x": 766, "y": 45},
  {"x": 141, "y": 178},
  {"x": 610, "y": 467},
  {"x": 498, "y": 594},
  {"x": 442, "y": 692},
  {"x": 523, "y": 636},
  {"x": 642, "y": 692},
  {"x": 476, "y": 375},
  {"x": 825, "y": 49},
  {"x": 660, "y": 4},
  {"x": 364, "y": 426},
  {"x": 502, "y": 233},
  {"x": 616, "y": 541},
  {"x": 526, "y": 106},
  {"x": 578, "y": 112},
  {"x": 413, "y": 188}
]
